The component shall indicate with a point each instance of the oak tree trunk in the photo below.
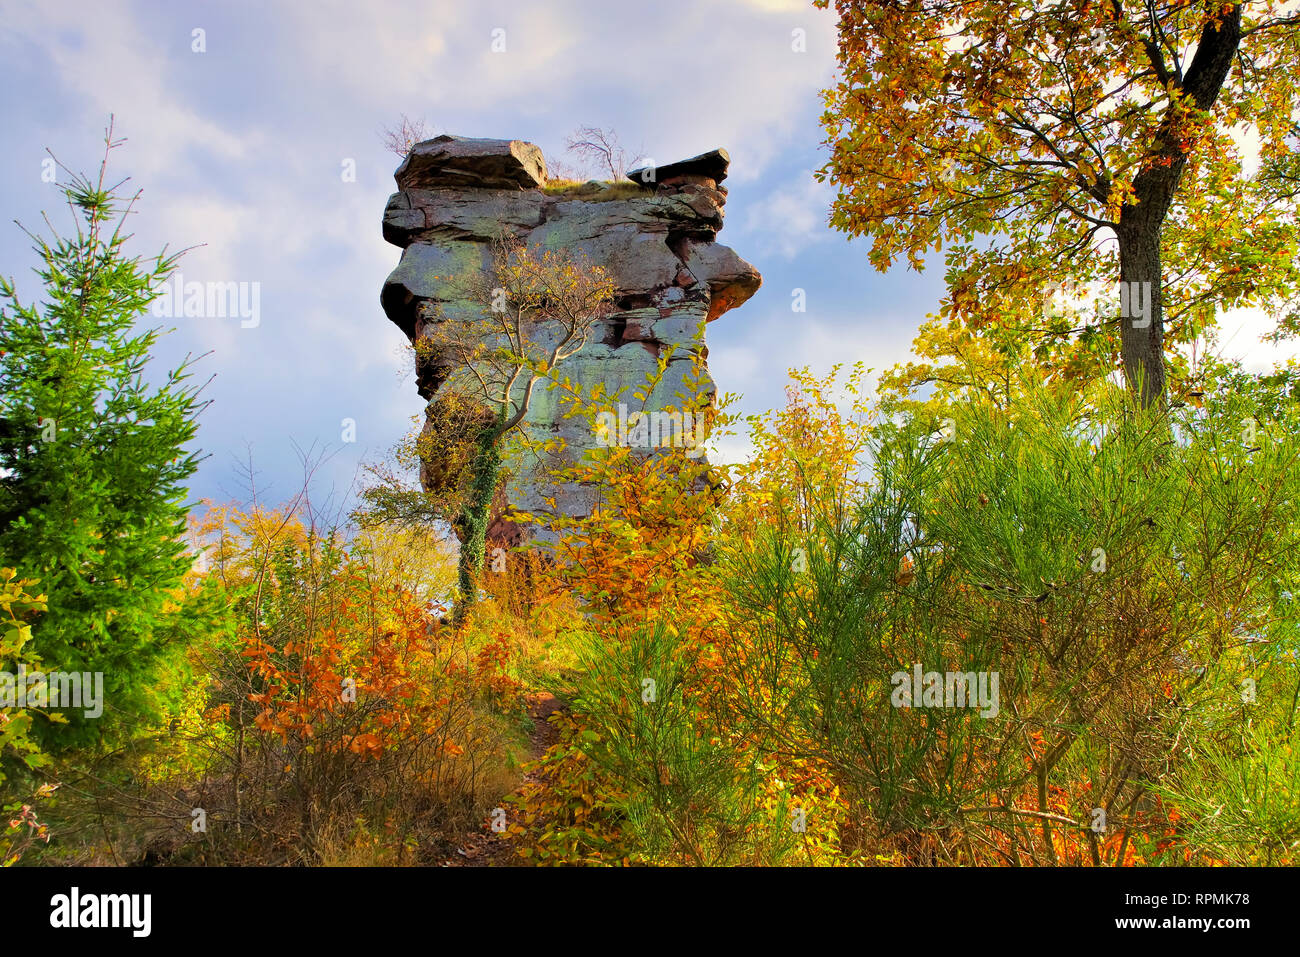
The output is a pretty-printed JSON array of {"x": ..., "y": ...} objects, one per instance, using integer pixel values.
[
  {"x": 1142, "y": 336},
  {"x": 1142, "y": 221}
]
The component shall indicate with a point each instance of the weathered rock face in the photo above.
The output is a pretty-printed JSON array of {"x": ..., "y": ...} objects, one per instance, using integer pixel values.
[{"x": 655, "y": 238}]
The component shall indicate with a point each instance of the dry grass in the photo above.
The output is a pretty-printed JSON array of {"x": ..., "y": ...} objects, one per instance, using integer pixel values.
[{"x": 594, "y": 192}]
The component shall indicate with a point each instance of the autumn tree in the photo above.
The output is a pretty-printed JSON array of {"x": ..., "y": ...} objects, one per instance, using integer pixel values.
[
  {"x": 530, "y": 311},
  {"x": 1074, "y": 141}
]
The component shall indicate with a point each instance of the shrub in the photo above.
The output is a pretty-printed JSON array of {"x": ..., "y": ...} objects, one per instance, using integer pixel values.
[{"x": 1106, "y": 564}]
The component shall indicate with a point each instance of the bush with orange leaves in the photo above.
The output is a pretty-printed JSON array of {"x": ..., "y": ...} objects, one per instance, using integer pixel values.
[{"x": 337, "y": 699}]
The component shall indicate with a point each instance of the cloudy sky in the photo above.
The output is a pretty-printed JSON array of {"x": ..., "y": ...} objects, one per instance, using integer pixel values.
[{"x": 241, "y": 151}]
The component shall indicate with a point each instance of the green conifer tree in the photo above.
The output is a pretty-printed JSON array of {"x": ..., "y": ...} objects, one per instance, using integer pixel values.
[{"x": 93, "y": 459}]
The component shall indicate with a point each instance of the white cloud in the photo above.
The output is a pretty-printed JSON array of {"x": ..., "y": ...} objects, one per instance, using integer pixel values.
[
  {"x": 112, "y": 64},
  {"x": 791, "y": 217},
  {"x": 879, "y": 343},
  {"x": 715, "y": 75}
]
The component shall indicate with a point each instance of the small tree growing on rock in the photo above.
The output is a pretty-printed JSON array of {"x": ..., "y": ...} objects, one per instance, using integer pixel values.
[
  {"x": 401, "y": 139},
  {"x": 536, "y": 309},
  {"x": 600, "y": 148}
]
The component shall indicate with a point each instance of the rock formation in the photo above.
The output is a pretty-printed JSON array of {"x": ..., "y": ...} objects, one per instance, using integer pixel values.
[{"x": 654, "y": 235}]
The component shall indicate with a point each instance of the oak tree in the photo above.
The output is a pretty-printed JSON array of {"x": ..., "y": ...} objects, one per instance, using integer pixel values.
[{"x": 1075, "y": 140}]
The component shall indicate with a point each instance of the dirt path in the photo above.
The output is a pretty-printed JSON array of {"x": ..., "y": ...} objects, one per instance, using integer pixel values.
[{"x": 484, "y": 848}]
